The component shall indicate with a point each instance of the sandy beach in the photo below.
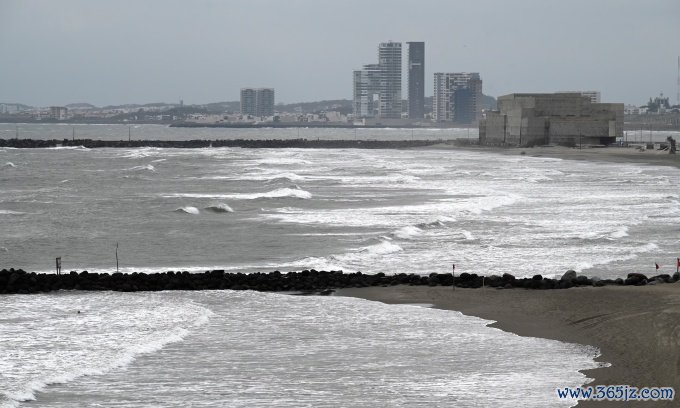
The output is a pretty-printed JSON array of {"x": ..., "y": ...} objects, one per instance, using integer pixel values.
[
  {"x": 637, "y": 329},
  {"x": 606, "y": 154}
]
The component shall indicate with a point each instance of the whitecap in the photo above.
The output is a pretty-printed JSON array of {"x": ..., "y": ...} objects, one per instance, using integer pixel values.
[
  {"x": 620, "y": 233},
  {"x": 188, "y": 210},
  {"x": 384, "y": 247},
  {"x": 219, "y": 208},
  {"x": 10, "y": 212},
  {"x": 278, "y": 193},
  {"x": 8, "y": 165},
  {"x": 148, "y": 167},
  {"x": 407, "y": 232},
  {"x": 467, "y": 235},
  {"x": 68, "y": 148}
]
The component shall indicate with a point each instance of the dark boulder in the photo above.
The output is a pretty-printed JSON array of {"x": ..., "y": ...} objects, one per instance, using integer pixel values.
[{"x": 569, "y": 275}]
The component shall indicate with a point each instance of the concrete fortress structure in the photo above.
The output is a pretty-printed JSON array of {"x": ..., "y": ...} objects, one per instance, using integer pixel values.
[
  {"x": 377, "y": 87},
  {"x": 568, "y": 119},
  {"x": 457, "y": 97},
  {"x": 257, "y": 101},
  {"x": 416, "y": 80}
]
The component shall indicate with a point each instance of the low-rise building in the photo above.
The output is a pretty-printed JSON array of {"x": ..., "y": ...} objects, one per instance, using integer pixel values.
[{"x": 560, "y": 118}]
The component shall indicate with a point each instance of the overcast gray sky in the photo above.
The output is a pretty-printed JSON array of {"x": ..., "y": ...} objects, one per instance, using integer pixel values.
[{"x": 54, "y": 52}]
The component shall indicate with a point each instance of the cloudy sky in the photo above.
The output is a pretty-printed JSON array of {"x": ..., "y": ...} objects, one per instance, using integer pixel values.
[{"x": 55, "y": 52}]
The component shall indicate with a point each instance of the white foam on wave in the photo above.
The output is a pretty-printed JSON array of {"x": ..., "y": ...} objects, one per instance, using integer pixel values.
[
  {"x": 620, "y": 233},
  {"x": 281, "y": 161},
  {"x": 143, "y": 168},
  {"x": 278, "y": 193},
  {"x": 49, "y": 343},
  {"x": 10, "y": 212},
  {"x": 8, "y": 165},
  {"x": 188, "y": 210},
  {"x": 467, "y": 235},
  {"x": 141, "y": 152},
  {"x": 219, "y": 208},
  {"x": 83, "y": 148},
  {"x": 384, "y": 247},
  {"x": 407, "y": 232}
]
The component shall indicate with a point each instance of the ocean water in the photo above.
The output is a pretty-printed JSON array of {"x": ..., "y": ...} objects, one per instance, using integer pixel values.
[
  {"x": 388, "y": 211},
  {"x": 391, "y": 211},
  {"x": 249, "y": 349}
]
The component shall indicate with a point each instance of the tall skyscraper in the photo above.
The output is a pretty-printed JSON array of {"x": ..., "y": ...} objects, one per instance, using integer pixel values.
[
  {"x": 257, "y": 101},
  {"x": 416, "y": 80},
  {"x": 389, "y": 60},
  {"x": 457, "y": 97}
]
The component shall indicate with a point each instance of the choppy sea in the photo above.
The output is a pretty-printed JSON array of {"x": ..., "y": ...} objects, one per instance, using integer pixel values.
[{"x": 388, "y": 211}]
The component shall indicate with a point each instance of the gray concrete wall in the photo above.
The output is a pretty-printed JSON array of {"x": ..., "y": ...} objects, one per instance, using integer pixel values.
[{"x": 568, "y": 119}]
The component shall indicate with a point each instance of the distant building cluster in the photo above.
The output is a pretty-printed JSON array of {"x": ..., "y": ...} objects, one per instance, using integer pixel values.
[
  {"x": 567, "y": 118},
  {"x": 257, "y": 102},
  {"x": 377, "y": 89}
]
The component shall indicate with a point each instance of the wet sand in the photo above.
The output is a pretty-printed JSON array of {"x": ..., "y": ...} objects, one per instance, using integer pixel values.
[{"x": 637, "y": 329}]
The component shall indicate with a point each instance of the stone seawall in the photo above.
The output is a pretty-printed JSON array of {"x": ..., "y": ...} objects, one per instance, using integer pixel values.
[
  {"x": 244, "y": 143},
  {"x": 21, "y": 282}
]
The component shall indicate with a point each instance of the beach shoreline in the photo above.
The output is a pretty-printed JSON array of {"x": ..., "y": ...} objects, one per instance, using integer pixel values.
[
  {"x": 611, "y": 154},
  {"x": 636, "y": 329}
]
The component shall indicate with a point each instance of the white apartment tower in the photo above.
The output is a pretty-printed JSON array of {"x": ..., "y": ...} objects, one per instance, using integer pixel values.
[{"x": 389, "y": 60}]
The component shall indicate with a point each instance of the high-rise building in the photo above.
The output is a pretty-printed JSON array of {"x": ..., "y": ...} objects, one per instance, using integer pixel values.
[
  {"x": 367, "y": 91},
  {"x": 377, "y": 87},
  {"x": 416, "y": 80},
  {"x": 457, "y": 97},
  {"x": 389, "y": 60},
  {"x": 257, "y": 101}
]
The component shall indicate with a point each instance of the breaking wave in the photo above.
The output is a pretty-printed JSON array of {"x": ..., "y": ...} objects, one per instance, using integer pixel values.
[
  {"x": 219, "y": 208},
  {"x": 407, "y": 232},
  {"x": 188, "y": 210},
  {"x": 278, "y": 193},
  {"x": 384, "y": 247},
  {"x": 147, "y": 167}
]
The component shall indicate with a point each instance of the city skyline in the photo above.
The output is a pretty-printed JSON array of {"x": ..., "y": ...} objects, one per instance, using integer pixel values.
[{"x": 108, "y": 53}]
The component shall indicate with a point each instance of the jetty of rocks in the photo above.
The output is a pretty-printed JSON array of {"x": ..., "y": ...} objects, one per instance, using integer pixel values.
[
  {"x": 243, "y": 143},
  {"x": 311, "y": 281}
]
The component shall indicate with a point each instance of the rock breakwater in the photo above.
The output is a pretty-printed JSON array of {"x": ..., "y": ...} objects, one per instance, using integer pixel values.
[
  {"x": 243, "y": 143},
  {"x": 21, "y": 282}
]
